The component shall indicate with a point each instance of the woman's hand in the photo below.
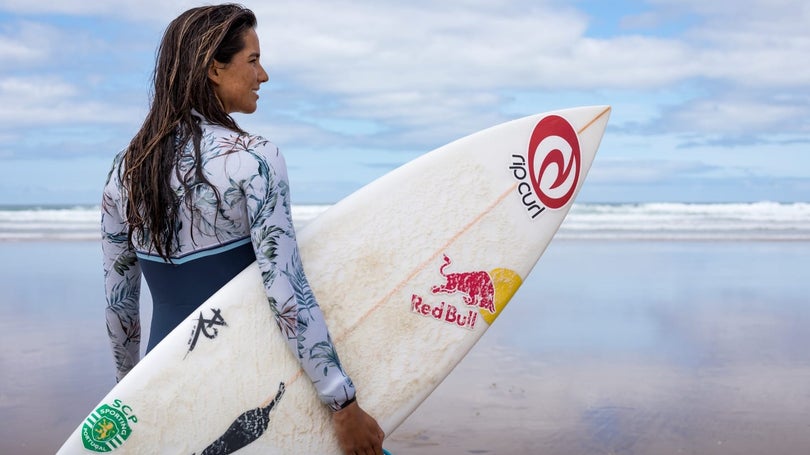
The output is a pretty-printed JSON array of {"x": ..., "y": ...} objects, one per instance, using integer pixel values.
[{"x": 357, "y": 432}]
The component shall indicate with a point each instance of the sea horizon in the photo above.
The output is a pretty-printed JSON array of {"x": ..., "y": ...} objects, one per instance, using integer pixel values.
[{"x": 738, "y": 221}]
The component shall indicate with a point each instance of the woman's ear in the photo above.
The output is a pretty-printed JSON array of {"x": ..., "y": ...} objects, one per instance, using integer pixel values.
[{"x": 214, "y": 71}]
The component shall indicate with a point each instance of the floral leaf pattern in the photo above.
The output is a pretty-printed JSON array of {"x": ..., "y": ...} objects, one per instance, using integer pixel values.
[
  {"x": 301, "y": 288},
  {"x": 123, "y": 321},
  {"x": 326, "y": 354},
  {"x": 286, "y": 316},
  {"x": 247, "y": 197}
]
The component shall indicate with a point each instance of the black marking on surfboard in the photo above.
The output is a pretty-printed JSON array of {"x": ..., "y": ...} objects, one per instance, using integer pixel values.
[
  {"x": 246, "y": 429},
  {"x": 206, "y": 327}
]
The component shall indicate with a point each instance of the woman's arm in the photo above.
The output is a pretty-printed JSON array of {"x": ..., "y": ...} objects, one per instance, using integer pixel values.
[
  {"x": 291, "y": 299},
  {"x": 122, "y": 281}
]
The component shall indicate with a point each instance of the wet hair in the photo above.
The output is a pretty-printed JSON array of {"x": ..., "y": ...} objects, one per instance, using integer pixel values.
[{"x": 190, "y": 45}]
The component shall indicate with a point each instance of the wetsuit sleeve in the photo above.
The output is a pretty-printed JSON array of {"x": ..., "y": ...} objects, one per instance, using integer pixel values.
[
  {"x": 122, "y": 281},
  {"x": 291, "y": 299}
]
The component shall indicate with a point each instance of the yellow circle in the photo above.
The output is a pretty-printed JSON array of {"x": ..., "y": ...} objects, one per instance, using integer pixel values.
[{"x": 506, "y": 283}]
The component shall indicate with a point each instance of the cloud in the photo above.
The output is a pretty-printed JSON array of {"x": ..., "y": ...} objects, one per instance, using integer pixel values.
[
  {"x": 405, "y": 65},
  {"x": 739, "y": 115},
  {"x": 398, "y": 78},
  {"x": 45, "y": 116},
  {"x": 751, "y": 43},
  {"x": 25, "y": 43},
  {"x": 372, "y": 47},
  {"x": 39, "y": 101},
  {"x": 142, "y": 10},
  {"x": 650, "y": 171},
  {"x": 411, "y": 64}
]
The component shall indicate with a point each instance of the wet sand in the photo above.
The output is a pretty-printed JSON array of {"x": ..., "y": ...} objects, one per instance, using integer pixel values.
[{"x": 614, "y": 347}]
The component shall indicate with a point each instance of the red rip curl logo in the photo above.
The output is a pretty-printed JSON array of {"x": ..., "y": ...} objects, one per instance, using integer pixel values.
[
  {"x": 554, "y": 161},
  {"x": 548, "y": 173}
]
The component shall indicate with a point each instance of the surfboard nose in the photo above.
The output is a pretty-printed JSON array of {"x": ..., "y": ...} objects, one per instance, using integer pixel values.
[{"x": 601, "y": 115}]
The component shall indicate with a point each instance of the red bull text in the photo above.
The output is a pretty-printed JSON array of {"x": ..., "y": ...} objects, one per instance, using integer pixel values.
[
  {"x": 444, "y": 312},
  {"x": 549, "y": 171}
]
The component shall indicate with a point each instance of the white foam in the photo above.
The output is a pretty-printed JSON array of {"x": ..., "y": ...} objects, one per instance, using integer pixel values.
[
  {"x": 651, "y": 221},
  {"x": 673, "y": 221}
]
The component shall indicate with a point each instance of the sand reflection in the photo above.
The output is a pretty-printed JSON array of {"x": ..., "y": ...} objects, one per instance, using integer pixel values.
[{"x": 675, "y": 348}]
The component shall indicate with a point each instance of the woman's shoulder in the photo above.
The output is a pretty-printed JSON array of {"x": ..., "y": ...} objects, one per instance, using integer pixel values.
[
  {"x": 114, "y": 174},
  {"x": 226, "y": 141}
]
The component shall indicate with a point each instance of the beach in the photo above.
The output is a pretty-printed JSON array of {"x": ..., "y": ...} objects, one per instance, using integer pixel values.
[
  {"x": 611, "y": 346},
  {"x": 636, "y": 348}
]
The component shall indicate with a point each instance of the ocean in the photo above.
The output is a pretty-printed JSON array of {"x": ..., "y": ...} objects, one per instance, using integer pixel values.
[
  {"x": 648, "y": 221},
  {"x": 659, "y": 328}
]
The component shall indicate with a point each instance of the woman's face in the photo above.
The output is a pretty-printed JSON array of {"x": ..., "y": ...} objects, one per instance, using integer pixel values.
[{"x": 236, "y": 83}]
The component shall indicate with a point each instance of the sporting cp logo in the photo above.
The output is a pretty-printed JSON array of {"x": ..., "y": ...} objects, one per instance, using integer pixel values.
[{"x": 108, "y": 427}]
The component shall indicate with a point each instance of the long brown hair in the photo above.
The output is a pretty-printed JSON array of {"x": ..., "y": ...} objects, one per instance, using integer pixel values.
[{"x": 189, "y": 46}]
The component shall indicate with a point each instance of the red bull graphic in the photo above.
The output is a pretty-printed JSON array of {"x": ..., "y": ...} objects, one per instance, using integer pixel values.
[
  {"x": 476, "y": 288},
  {"x": 549, "y": 171},
  {"x": 486, "y": 292}
]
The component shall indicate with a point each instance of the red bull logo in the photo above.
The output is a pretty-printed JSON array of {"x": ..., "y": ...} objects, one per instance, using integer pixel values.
[
  {"x": 549, "y": 171},
  {"x": 476, "y": 288},
  {"x": 486, "y": 292}
]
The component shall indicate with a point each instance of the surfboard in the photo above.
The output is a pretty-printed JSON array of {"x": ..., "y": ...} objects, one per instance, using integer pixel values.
[{"x": 409, "y": 271}]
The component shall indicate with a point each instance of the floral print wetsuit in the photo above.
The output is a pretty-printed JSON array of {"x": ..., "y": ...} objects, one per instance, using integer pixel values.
[{"x": 253, "y": 222}]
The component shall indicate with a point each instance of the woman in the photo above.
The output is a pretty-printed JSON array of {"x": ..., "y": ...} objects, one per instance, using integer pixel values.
[{"x": 194, "y": 199}]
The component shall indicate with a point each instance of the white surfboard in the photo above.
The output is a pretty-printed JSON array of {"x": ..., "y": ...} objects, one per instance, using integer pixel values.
[{"x": 410, "y": 271}]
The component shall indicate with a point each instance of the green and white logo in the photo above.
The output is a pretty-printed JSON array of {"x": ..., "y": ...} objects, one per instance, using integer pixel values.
[{"x": 108, "y": 427}]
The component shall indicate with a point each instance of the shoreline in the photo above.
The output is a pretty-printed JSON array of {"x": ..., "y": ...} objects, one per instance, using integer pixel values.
[{"x": 754, "y": 221}]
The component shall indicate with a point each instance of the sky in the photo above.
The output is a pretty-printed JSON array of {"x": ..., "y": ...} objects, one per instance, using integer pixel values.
[{"x": 711, "y": 99}]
